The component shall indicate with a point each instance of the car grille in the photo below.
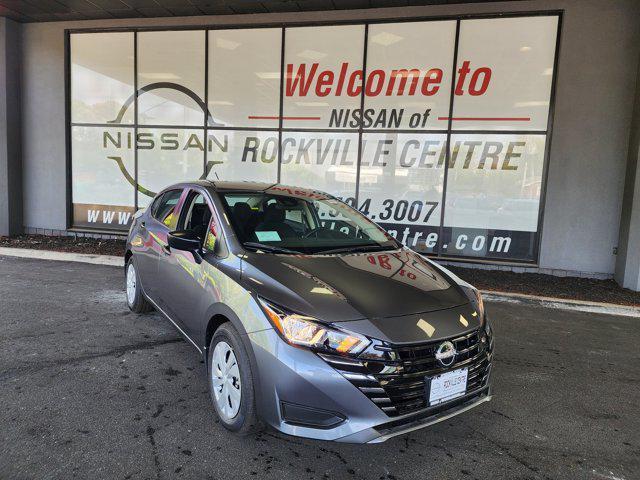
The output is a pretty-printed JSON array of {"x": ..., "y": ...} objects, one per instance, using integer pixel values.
[{"x": 393, "y": 376}]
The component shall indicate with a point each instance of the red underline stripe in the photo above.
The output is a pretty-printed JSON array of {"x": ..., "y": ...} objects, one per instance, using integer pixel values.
[
  {"x": 259, "y": 117},
  {"x": 488, "y": 119},
  {"x": 459, "y": 119}
]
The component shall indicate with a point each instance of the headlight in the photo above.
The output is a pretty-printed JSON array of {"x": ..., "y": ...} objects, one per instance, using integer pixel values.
[
  {"x": 308, "y": 332},
  {"x": 476, "y": 299},
  {"x": 487, "y": 328},
  {"x": 479, "y": 302}
]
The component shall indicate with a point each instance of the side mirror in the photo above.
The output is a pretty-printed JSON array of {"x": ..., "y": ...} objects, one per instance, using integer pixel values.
[{"x": 185, "y": 240}]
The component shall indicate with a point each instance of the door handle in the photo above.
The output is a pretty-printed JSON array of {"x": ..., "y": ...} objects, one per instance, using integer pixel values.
[
  {"x": 166, "y": 250},
  {"x": 143, "y": 225}
]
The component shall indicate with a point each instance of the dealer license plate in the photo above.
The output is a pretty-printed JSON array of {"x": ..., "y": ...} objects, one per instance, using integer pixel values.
[{"x": 447, "y": 386}]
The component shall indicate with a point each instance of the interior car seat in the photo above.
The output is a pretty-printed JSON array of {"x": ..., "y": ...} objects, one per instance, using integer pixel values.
[
  {"x": 200, "y": 217},
  {"x": 274, "y": 217}
]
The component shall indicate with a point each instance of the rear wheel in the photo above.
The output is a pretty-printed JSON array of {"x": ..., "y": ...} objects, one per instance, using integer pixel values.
[
  {"x": 231, "y": 381},
  {"x": 135, "y": 298}
]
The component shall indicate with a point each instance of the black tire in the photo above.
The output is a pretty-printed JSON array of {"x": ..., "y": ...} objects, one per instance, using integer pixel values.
[
  {"x": 137, "y": 304},
  {"x": 246, "y": 420}
]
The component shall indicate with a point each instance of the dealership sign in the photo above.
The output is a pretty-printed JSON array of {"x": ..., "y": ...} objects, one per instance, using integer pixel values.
[{"x": 464, "y": 182}]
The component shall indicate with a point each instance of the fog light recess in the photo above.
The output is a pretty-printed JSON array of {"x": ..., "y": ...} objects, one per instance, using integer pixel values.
[{"x": 309, "y": 417}]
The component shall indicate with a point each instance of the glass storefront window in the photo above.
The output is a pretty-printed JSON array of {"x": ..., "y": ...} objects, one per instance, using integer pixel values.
[
  {"x": 370, "y": 125},
  {"x": 323, "y": 76},
  {"x": 495, "y": 181},
  {"x": 493, "y": 195},
  {"x": 167, "y": 156},
  {"x": 322, "y": 161},
  {"x": 244, "y": 77},
  {"x": 238, "y": 155},
  {"x": 102, "y": 179},
  {"x": 504, "y": 73},
  {"x": 401, "y": 185},
  {"x": 171, "y": 78},
  {"x": 102, "y": 78},
  {"x": 409, "y": 75}
]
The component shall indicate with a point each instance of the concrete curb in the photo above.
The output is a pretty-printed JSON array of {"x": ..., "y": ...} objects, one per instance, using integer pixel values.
[
  {"x": 110, "y": 260},
  {"x": 492, "y": 296},
  {"x": 562, "y": 303}
]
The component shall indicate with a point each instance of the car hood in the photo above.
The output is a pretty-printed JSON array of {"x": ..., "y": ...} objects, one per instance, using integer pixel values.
[{"x": 350, "y": 287}]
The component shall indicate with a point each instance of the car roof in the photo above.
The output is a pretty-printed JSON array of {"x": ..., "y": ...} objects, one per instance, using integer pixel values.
[
  {"x": 247, "y": 186},
  {"x": 221, "y": 185}
]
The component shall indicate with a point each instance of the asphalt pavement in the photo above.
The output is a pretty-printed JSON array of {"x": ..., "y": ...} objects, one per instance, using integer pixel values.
[{"x": 89, "y": 390}]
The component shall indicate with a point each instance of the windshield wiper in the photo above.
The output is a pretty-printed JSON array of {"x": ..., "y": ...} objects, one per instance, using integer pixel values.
[
  {"x": 269, "y": 248},
  {"x": 357, "y": 248}
]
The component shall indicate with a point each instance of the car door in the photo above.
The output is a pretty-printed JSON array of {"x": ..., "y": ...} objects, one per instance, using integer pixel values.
[
  {"x": 182, "y": 275},
  {"x": 162, "y": 218}
]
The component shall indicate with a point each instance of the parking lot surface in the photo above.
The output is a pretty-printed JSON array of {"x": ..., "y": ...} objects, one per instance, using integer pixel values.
[{"x": 90, "y": 390}]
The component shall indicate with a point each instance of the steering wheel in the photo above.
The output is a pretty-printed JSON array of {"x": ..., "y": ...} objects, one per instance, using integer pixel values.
[
  {"x": 312, "y": 232},
  {"x": 322, "y": 232}
]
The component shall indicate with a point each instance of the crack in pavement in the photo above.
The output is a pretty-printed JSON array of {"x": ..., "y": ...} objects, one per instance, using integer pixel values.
[
  {"x": 114, "y": 352},
  {"x": 154, "y": 450},
  {"x": 522, "y": 462},
  {"x": 509, "y": 454}
]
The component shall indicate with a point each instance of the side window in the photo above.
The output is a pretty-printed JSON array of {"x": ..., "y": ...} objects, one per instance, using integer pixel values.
[
  {"x": 199, "y": 219},
  {"x": 164, "y": 209}
]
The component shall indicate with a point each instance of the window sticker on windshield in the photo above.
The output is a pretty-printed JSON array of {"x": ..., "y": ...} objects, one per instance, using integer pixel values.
[{"x": 268, "y": 236}]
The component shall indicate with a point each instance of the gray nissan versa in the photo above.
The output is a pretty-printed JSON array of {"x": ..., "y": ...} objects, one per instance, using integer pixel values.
[{"x": 310, "y": 317}]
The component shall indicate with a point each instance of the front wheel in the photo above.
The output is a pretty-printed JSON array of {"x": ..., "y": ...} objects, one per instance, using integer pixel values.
[
  {"x": 231, "y": 381},
  {"x": 135, "y": 298}
]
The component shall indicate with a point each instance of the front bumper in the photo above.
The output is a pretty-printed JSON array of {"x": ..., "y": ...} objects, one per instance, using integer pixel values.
[
  {"x": 382, "y": 433},
  {"x": 296, "y": 376}
]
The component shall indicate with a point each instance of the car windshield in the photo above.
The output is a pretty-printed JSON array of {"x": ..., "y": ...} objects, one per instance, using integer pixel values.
[{"x": 304, "y": 222}]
